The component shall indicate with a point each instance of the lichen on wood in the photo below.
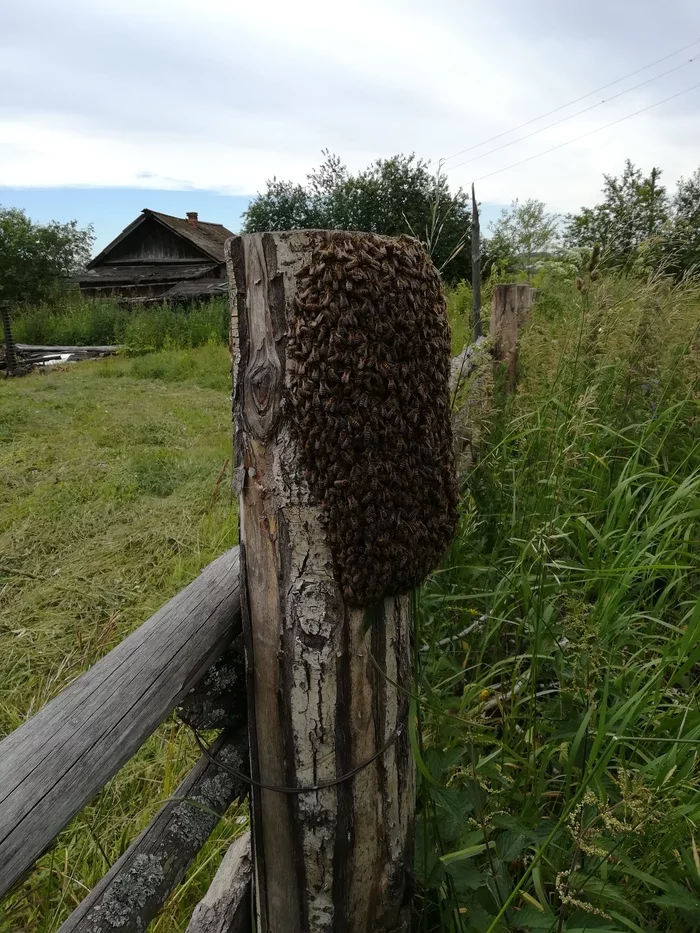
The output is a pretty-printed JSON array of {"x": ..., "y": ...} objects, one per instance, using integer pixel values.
[
  {"x": 219, "y": 699},
  {"x": 135, "y": 888}
]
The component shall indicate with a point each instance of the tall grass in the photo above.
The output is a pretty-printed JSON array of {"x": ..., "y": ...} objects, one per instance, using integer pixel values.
[
  {"x": 147, "y": 328},
  {"x": 558, "y": 649}
]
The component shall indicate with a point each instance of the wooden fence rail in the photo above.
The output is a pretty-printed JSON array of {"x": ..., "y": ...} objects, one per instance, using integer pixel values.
[
  {"x": 134, "y": 890},
  {"x": 56, "y": 762}
]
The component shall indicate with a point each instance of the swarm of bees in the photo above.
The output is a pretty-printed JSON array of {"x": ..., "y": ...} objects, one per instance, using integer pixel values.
[{"x": 368, "y": 392}]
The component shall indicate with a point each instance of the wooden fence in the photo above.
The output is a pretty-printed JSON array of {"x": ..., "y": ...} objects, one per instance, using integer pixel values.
[
  {"x": 188, "y": 657},
  {"x": 56, "y": 762}
]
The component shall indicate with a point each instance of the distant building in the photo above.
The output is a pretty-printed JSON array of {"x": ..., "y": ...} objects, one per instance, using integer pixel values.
[{"x": 160, "y": 257}]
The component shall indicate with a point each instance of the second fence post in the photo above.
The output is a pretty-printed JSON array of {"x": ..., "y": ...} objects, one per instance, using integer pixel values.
[
  {"x": 510, "y": 307},
  {"x": 347, "y": 499}
]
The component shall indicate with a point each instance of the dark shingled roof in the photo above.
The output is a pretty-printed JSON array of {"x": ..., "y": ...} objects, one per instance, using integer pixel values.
[{"x": 210, "y": 238}]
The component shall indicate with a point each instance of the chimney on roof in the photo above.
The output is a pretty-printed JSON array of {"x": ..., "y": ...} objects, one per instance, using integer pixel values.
[{"x": 192, "y": 218}]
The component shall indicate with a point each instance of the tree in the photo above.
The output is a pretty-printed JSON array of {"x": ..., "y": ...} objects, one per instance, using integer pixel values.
[
  {"x": 37, "y": 260},
  {"x": 682, "y": 246},
  {"x": 522, "y": 234},
  {"x": 392, "y": 196},
  {"x": 634, "y": 213}
]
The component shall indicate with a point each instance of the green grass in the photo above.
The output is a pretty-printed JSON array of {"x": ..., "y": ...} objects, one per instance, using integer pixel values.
[
  {"x": 80, "y": 322},
  {"x": 112, "y": 498},
  {"x": 560, "y": 736}
]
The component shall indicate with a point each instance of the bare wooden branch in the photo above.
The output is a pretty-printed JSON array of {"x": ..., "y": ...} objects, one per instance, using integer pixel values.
[
  {"x": 510, "y": 308},
  {"x": 333, "y": 859},
  {"x": 226, "y": 907},
  {"x": 105, "y": 350},
  {"x": 135, "y": 888},
  {"x": 58, "y": 760}
]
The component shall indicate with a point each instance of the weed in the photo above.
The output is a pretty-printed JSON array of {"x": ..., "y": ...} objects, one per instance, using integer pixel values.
[
  {"x": 562, "y": 733},
  {"x": 142, "y": 329}
]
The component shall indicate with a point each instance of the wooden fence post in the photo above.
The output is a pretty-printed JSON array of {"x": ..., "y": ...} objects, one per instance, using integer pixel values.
[
  {"x": 328, "y": 652},
  {"x": 10, "y": 350},
  {"x": 476, "y": 269},
  {"x": 509, "y": 310}
]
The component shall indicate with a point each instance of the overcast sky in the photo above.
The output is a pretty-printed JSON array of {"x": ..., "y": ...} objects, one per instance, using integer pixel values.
[{"x": 219, "y": 95}]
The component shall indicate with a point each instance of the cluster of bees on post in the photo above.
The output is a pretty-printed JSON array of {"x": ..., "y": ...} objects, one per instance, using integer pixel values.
[{"x": 370, "y": 406}]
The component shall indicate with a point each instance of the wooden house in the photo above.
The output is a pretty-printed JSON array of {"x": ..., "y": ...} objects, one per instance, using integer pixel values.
[{"x": 160, "y": 258}]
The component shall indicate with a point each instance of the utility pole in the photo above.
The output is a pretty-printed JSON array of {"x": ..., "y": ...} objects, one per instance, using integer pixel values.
[{"x": 476, "y": 268}]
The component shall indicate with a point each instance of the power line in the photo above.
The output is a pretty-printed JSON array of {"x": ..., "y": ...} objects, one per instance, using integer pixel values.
[
  {"x": 570, "y": 103},
  {"x": 571, "y": 116},
  {"x": 598, "y": 129}
]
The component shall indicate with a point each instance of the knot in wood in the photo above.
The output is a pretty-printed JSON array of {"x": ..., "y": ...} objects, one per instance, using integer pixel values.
[{"x": 369, "y": 400}]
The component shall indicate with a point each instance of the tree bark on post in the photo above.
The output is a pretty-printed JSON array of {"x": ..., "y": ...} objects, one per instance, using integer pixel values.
[
  {"x": 509, "y": 310},
  {"x": 476, "y": 268},
  {"x": 328, "y": 681}
]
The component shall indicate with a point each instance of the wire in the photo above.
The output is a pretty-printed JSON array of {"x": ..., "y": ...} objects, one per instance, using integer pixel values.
[
  {"x": 206, "y": 751},
  {"x": 577, "y": 114},
  {"x": 549, "y": 113},
  {"x": 598, "y": 129}
]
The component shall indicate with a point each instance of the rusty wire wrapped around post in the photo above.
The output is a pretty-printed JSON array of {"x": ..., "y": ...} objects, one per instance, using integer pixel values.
[{"x": 369, "y": 397}]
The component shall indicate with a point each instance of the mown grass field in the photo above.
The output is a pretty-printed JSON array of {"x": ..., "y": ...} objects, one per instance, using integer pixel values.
[
  {"x": 557, "y": 648},
  {"x": 114, "y": 493}
]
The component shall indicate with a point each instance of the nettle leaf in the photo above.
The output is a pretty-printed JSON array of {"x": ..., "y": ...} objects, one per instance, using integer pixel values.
[
  {"x": 479, "y": 920},
  {"x": 441, "y": 761},
  {"x": 679, "y": 899},
  {"x": 605, "y": 890},
  {"x": 529, "y": 918},
  {"x": 510, "y": 844},
  {"x": 506, "y": 821},
  {"x": 583, "y": 922},
  {"x": 465, "y": 875},
  {"x": 455, "y": 801}
]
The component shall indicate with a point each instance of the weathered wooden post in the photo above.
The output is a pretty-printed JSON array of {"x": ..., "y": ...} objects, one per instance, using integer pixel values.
[
  {"x": 509, "y": 310},
  {"x": 10, "y": 349},
  {"x": 476, "y": 268},
  {"x": 344, "y": 464}
]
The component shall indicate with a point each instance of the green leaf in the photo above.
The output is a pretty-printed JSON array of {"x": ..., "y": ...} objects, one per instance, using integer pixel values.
[
  {"x": 415, "y": 745},
  {"x": 465, "y": 875},
  {"x": 469, "y": 852},
  {"x": 680, "y": 900},
  {"x": 510, "y": 844},
  {"x": 529, "y": 918}
]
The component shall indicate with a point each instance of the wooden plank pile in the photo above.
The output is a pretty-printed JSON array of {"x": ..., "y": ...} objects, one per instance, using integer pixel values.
[{"x": 29, "y": 355}]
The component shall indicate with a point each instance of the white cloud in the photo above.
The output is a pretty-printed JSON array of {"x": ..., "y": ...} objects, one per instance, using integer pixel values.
[{"x": 222, "y": 94}]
